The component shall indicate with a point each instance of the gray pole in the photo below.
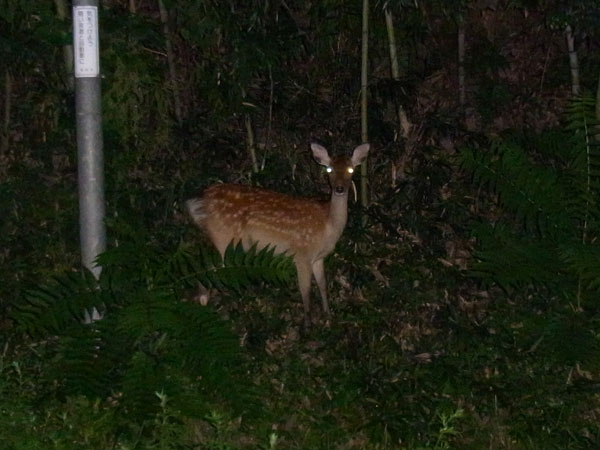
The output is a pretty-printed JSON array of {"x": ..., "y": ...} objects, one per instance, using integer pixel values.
[{"x": 90, "y": 166}]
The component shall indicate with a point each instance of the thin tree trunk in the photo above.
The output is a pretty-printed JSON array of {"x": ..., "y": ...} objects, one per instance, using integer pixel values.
[
  {"x": 462, "y": 91},
  {"x": 132, "y": 7},
  {"x": 250, "y": 140},
  {"x": 164, "y": 18},
  {"x": 389, "y": 23},
  {"x": 598, "y": 102},
  {"x": 270, "y": 118},
  {"x": 7, "y": 113},
  {"x": 364, "y": 197},
  {"x": 588, "y": 145},
  {"x": 598, "y": 110},
  {"x": 573, "y": 61},
  {"x": 67, "y": 50},
  {"x": 404, "y": 123}
]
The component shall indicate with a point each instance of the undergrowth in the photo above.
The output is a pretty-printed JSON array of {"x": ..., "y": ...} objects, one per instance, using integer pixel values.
[
  {"x": 152, "y": 361},
  {"x": 440, "y": 339}
]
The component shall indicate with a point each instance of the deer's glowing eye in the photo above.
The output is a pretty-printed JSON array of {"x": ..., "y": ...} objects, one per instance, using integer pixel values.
[
  {"x": 350, "y": 170},
  {"x": 329, "y": 169}
]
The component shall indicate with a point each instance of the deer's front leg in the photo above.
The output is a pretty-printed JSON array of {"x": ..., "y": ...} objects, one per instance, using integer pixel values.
[
  {"x": 304, "y": 278},
  {"x": 318, "y": 269}
]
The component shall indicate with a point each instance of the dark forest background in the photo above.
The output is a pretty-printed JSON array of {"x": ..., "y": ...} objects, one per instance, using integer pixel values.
[{"x": 464, "y": 288}]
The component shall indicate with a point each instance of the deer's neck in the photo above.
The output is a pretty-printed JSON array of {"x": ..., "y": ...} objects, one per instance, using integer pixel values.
[{"x": 338, "y": 213}]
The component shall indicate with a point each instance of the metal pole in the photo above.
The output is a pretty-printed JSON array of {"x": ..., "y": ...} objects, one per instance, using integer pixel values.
[{"x": 90, "y": 165}]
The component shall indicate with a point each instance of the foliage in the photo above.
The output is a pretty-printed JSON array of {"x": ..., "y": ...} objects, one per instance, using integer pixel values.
[
  {"x": 543, "y": 235},
  {"x": 148, "y": 340},
  {"x": 417, "y": 355},
  {"x": 78, "y": 422}
]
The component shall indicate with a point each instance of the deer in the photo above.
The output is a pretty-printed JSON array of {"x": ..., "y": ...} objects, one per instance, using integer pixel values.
[{"x": 305, "y": 228}]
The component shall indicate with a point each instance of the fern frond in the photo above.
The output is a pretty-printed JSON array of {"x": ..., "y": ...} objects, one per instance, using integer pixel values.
[
  {"x": 530, "y": 192},
  {"x": 60, "y": 304},
  {"x": 515, "y": 262},
  {"x": 263, "y": 265},
  {"x": 149, "y": 340},
  {"x": 237, "y": 270},
  {"x": 583, "y": 260},
  {"x": 584, "y": 166},
  {"x": 141, "y": 379},
  {"x": 552, "y": 206},
  {"x": 87, "y": 361},
  {"x": 569, "y": 340},
  {"x": 581, "y": 115}
]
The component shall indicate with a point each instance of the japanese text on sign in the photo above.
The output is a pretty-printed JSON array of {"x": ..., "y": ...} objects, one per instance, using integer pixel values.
[{"x": 85, "y": 41}]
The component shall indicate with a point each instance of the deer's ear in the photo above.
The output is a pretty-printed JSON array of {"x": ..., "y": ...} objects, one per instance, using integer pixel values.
[
  {"x": 320, "y": 154},
  {"x": 360, "y": 153}
]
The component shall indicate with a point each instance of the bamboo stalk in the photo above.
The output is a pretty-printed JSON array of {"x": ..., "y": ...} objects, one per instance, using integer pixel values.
[
  {"x": 598, "y": 110},
  {"x": 389, "y": 23},
  {"x": 573, "y": 60},
  {"x": 250, "y": 141},
  {"x": 404, "y": 123},
  {"x": 164, "y": 18},
  {"x": 462, "y": 91},
  {"x": 364, "y": 197},
  {"x": 7, "y": 112},
  {"x": 588, "y": 189},
  {"x": 67, "y": 49},
  {"x": 270, "y": 118}
]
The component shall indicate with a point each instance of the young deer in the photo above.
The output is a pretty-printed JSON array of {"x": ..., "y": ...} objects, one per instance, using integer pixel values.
[{"x": 305, "y": 228}]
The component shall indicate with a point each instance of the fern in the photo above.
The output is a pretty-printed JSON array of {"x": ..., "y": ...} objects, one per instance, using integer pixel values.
[
  {"x": 237, "y": 270},
  {"x": 88, "y": 360},
  {"x": 59, "y": 305},
  {"x": 568, "y": 339},
  {"x": 514, "y": 261},
  {"x": 549, "y": 197},
  {"x": 149, "y": 340},
  {"x": 582, "y": 259},
  {"x": 544, "y": 236},
  {"x": 532, "y": 193}
]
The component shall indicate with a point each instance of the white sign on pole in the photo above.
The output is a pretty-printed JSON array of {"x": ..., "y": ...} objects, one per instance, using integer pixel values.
[{"x": 85, "y": 41}]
